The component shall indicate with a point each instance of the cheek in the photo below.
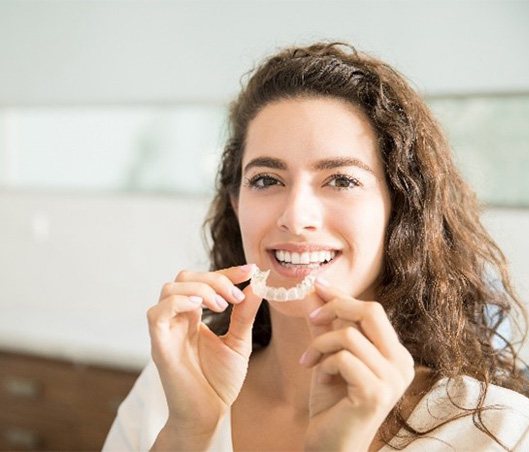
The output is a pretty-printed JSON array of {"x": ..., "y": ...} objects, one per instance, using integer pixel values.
[
  {"x": 363, "y": 223},
  {"x": 252, "y": 222}
]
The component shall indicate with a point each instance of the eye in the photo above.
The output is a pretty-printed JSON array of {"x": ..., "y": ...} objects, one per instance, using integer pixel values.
[
  {"x": 343, "y": 182},
  {"x": 261, "y": 181}
]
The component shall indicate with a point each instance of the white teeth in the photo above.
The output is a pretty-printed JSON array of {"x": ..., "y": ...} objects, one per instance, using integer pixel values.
[
  {"x": 293, "y": 294},
  {"x": 281, "y": 294},
  {"x": 270, "y": 293},
  {"x": 259, "y": 287},
  {"x": 295, "y": 258},
  {"x": 314, "y": 257}
]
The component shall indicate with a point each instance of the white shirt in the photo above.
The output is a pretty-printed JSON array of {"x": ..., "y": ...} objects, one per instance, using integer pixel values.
[{"x": 144, "y": 412}]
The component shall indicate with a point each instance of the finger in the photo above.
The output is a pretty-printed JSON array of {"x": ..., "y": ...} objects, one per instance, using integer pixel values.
[
  {"x": 222, "y": 281},
  {"x": 349, "y": 367},
  {"x": 167, "y": 309},
  {"x": 362, "y": 386},
  {"x": 349, "y": 339},
  {"x": 171, "y": 321},
  {"x": 312, "y": 303},
  {"x": 211, "y": 299},
  {"x": 238, "y": 274},
  {"x": 324, "y": 293},
  {"x": 370, "y": 317},
  {"x": 239, "y": 334}
]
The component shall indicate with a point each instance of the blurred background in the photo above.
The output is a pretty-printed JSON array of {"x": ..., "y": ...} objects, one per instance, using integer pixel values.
[{"x": 112, "y": 120}]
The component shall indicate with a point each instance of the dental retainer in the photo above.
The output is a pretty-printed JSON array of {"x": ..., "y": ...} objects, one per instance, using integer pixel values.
[{"x": 300, "y": 291}]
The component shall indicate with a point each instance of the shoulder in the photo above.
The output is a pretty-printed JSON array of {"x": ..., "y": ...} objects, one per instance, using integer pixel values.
[
  {"x": 466, "y": 391},
  {"x": 141, "y": 415},
  {"x": 505, "y": 415},
  {"x": 147, "y": 393}
]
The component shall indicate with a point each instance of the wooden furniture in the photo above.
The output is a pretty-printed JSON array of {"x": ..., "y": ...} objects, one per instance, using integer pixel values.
[{"x": 49, "y": 404}]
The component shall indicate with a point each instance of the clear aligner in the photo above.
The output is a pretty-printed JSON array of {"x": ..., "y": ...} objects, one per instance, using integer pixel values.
[{"x": 259, "y": 287}]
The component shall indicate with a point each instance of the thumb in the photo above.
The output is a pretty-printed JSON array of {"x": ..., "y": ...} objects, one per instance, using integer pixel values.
[
  {"x": 239, "y": 335},
  {"x": 239, "y": 273}
]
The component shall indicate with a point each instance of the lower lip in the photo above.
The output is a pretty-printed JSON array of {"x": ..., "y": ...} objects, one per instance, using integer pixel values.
[{"x": 297, "y": 271}]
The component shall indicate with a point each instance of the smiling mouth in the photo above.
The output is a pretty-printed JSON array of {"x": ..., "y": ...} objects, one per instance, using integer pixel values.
[{"x": 306, "y": 260}]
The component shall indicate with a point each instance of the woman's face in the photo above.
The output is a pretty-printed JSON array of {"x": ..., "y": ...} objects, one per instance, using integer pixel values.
[{"x": 313, "y": 188}]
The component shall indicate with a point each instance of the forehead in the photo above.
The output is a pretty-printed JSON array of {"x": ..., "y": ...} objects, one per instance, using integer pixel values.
[{"x": 308, "y": 129}]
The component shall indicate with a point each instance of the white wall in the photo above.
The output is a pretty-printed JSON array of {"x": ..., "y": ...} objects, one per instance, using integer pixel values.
[
  {"x": 115, "y": 51},
  {"x": 78, "y": 272}
]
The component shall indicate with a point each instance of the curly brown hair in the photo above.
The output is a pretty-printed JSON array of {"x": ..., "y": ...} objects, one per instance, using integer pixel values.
[{"x": 435, "y": 285}]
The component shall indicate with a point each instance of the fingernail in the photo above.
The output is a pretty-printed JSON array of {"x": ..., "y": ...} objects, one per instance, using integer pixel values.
[
  {"x": 247, "y": 267},
  {"x": 304, "y": 359},
  {"x": 315, "y": 313},
  {"x": 196, "y": 300},
  {"x": 221, "y": 302},
  {"x": 237, "y": 293},
  {"x": 322, "y": 281},
  {"x": 309, "y": 357}
]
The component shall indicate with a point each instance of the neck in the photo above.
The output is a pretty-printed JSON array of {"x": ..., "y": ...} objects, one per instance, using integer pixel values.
[
  {"x": 277, "y": 369},
  {"x": 276, "y": 373}
]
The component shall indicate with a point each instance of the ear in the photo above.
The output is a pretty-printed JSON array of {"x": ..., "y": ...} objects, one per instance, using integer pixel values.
[{"x": 234, "y": 201}]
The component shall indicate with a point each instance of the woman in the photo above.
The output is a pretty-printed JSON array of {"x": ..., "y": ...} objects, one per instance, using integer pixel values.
[{"x": 334, "y": 168}]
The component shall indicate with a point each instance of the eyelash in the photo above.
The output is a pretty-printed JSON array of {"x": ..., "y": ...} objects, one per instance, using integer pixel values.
[{"x": 252, "y": 182}]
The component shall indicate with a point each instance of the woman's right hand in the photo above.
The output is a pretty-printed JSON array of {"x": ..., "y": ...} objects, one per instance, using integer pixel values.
[{"x": 201, "y": 373}]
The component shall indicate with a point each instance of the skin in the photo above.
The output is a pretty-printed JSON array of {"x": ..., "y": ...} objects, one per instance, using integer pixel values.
[
  {"x": 306, "y": 205},
  {"x": 334, "y": 367}
]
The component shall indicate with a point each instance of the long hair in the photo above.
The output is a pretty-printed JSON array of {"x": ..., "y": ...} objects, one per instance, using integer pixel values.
[{"x": 439, "y": 261}]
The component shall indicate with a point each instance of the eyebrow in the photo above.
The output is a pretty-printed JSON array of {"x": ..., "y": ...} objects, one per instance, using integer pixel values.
[{"x": 325, "y": 164}]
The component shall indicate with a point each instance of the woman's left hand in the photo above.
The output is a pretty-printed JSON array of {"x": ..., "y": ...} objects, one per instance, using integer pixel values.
[{"x": 360, "y": 372}]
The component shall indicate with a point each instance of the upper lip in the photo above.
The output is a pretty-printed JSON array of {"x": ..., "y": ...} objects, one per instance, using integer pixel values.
[{"x": 301, "y": 247}]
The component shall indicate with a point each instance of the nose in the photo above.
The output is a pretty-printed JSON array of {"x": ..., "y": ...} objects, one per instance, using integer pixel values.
[{"x": 301, "y": 213}]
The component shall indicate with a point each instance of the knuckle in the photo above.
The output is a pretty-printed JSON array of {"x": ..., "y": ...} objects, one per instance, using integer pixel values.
[
  {"x": 374, "y": 308},
  {"x": 221, "y": 280},
  {"x": 183, "y": 275},
  {"x": 152, "y": 315},
  {"x": 343, "y": 357},
  {"x": 164, "y": 305},
  {"x": 205, "y": 291},
  {"x": 170, "y": 301},
  {"x": 341, "y": 306},
  {"x": 350, "y": 334},
  {"x": 340, "y": 310},
  {"x": 376, "y": 397},
  {"x": 368, "y": 395},
  {"x": 383, "y": 396},
  {"x": 166, "y": 288}
]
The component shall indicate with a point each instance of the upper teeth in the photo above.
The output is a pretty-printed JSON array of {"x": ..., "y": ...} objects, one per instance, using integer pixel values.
[{"x": 304, "y": 258}]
